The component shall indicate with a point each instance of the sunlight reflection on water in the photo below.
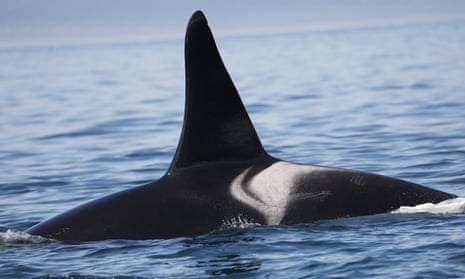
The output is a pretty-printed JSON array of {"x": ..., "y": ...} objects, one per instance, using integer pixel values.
[{"x": 81, "y": 122}]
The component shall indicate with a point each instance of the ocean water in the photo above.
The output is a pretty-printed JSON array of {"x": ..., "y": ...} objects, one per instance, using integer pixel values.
[{"x": 79, "y": 122}]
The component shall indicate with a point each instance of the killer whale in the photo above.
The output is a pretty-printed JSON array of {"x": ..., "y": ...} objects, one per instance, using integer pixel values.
[{"x": 221, "y": 172}]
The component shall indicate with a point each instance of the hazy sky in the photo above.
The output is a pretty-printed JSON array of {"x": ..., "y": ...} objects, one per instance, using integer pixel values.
[{"x": 24, "y": 22}]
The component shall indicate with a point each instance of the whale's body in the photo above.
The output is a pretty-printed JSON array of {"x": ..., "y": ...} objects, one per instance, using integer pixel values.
[{"x": 221, "y": 172}]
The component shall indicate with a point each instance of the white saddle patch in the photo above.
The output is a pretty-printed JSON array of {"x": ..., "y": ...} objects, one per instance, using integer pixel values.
[{"x": 271, "y": 190}]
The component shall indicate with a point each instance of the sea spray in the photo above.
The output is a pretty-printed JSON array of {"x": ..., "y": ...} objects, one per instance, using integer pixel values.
[
  {"x": 11, "y": 237},
  {"x": 451, "y": 206}
]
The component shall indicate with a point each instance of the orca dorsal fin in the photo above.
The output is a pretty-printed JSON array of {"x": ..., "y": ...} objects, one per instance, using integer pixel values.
[{"x": 216, "y": 125}]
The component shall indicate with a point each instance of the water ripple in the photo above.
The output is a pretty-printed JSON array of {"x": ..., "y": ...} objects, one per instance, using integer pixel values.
[{"x": 82, "y": 122}]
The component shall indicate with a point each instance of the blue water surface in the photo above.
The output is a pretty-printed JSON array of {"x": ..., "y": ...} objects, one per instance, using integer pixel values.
[{"x": 79, "y": 122}]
